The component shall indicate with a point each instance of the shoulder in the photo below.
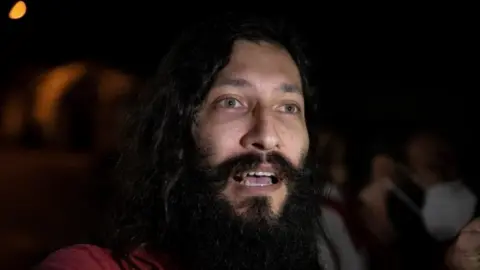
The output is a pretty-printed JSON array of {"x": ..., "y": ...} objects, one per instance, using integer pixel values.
[
  {"x": 82, "y": 257},
  {"x": 79, "y": 257}
]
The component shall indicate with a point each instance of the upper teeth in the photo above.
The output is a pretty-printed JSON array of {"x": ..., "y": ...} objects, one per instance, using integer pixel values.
[{"x": 268, "y": 174}]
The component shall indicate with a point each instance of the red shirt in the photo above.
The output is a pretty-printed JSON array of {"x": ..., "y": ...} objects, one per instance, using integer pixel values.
[{"x": 89, "y": 257}]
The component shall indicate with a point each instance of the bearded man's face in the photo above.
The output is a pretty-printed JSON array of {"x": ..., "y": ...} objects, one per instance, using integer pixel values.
[
  {"x": 255, "y": 107},
  {"x": 248, "y": 202}
]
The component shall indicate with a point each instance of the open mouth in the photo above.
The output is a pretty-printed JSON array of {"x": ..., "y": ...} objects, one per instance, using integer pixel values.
[{"x": 257, "y": 178}]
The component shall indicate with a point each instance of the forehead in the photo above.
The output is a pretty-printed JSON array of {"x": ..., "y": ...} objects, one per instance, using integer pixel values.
[
  {"x": 422, "y": 143},
  {"x": 261, "y": 64},
  {"x": 382, "y": 162}
]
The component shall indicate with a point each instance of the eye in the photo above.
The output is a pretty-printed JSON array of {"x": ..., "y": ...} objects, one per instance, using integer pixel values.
[
  {"x": 229, "y": 103},
  {"x": 290, "y": 108}
]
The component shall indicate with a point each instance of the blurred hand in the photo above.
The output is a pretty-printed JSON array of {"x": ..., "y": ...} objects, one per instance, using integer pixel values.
[
  {"x": 374, "y": 211},
  {"x": 465, "y": 252}
]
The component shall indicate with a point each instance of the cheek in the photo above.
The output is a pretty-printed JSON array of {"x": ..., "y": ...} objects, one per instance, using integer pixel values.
[
  {"x": 295, "y": 142},
  {"x": 222, "y": 141}
]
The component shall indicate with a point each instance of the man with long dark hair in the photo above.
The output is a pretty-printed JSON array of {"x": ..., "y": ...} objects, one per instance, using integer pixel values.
[{"x": 216, "y": 173}]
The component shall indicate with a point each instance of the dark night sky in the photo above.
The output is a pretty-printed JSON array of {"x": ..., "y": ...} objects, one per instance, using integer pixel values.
[
  {"x": 347, "y": 43},
  {"x": 378, "y": 63}
]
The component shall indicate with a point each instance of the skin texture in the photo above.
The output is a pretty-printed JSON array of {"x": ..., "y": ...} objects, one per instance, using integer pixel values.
[
  {"x": 465, "y": 252},
  {"x": 255, "y": 105}
]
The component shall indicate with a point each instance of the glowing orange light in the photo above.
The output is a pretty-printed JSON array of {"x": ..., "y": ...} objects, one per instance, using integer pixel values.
[{"x": 18, "y": 10}]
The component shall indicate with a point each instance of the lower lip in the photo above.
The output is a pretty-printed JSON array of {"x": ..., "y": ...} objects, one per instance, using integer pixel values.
[{"x": 255, "y": 190}]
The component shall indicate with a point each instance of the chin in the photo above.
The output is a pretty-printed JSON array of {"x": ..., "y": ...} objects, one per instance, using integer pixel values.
[{"x": 257, "y": 208}]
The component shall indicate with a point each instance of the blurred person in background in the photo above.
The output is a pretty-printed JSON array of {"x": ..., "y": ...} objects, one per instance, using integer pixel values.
[
  {"x": 430, "y": 204},
  {"x": 449, "y": 203},
  {"x": 377, "y": 167},
  {"x": 376, "y": 162},
  {"x": 217, "y": 169},
  {"x": 419, "y": 205},
  {"x": 374, "y": 195},
  {"x": 337, "y": 218},
  {"x": 331, "y": 156}
]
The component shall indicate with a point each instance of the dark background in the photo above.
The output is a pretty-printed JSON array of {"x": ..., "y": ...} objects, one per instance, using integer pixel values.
[
  {"x": 375, "y": 52},
  {"x": 382, "y": 71}
]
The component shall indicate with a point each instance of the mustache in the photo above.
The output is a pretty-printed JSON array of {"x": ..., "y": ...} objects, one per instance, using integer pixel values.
[{"x": 244, "y": 162}]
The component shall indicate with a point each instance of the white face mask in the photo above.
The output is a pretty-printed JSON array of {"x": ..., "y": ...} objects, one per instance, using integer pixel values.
[{"x": 447, "y": 209}]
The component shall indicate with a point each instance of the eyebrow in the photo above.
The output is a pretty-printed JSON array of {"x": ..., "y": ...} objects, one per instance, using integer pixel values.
[{"x": 242, "y": 83}]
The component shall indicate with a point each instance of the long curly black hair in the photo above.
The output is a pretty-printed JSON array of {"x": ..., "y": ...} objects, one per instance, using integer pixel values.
[{"x": 158, "y": 133}]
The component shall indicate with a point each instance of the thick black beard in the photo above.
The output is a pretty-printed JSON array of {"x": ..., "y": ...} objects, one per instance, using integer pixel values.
[{"x": 206, "y": 233}]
